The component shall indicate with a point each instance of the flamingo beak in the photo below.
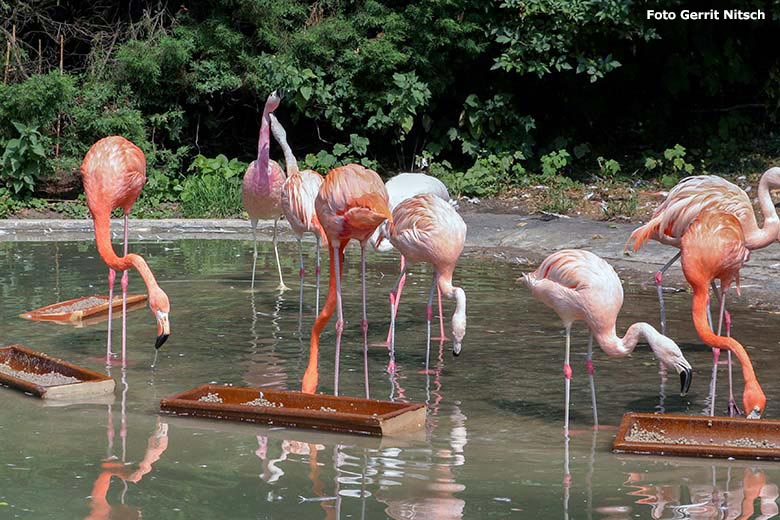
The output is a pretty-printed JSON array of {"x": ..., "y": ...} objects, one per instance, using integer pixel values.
[
  {"x": 686, "y": 377},
  {"x": 163, "y": 329},
  {"x": 755, "y": 414}
]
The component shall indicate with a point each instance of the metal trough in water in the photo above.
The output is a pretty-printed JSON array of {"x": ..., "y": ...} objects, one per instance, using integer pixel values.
[
  {"x": 78, "y": 310},
  {"x": 298, "y": 410},
  {"x": 49, "y": 378},
  {"x": 698, "y": 436}
]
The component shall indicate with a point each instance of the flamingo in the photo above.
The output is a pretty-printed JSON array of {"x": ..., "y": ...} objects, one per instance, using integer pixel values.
[
  {"x": 351, "y": 203},
  {"x": 425, "y": 228},
  {"x": 714, "y": 246},
  {"x": 298, "y": 194},
  {"x": 261, "y": 190},
  {"x": 578, "y": 285},
  {"x": 400, "y": 188},
  {"x": 113, "y": 173},
  {"x": 694, "y": 195}
]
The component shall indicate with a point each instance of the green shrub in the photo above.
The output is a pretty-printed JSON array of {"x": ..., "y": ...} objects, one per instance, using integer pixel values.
[
  {"x": 214, "y": 189},
  {"x": 671, "y": 165},
  {"x": 608, "y": 168},
  {"x": 24, "y": 160}
]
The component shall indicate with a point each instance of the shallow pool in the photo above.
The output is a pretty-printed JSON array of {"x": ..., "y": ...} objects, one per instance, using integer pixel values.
[{"x": 493, "y": 445}]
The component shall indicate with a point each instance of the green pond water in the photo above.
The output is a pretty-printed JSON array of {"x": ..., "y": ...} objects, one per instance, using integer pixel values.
[{"x": 493, "y": 445}]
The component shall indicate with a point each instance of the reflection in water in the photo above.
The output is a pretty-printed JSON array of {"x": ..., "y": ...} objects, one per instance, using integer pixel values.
[
  {"x": 112, "y": 466},
  {"x": 264, "y": 367},
  {"x": 701, "y": 496}
]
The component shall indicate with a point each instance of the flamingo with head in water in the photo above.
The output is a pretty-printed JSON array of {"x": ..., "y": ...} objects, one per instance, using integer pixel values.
[
  {"x": 113, "y": 173},
  {"x": 712, "y": 247}
]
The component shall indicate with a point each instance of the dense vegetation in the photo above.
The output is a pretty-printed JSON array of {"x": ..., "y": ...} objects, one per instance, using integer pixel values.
[{"x": 488, "y": 95}]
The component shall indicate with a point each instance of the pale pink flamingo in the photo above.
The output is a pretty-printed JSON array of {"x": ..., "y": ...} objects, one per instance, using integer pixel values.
[
  {"x": 113, "y": 173},
  {"x": 298, "y": 194},
  {"x": 712, "y": 247},
  {"x": 261, "y": 190},
  {"x": 579, "y": 285},
  {"x": 351, "y": 203},
  {"x": 693, "y": 196},
  {"x": 426, "y": 228},
  {"x": 399, "y": 188}
]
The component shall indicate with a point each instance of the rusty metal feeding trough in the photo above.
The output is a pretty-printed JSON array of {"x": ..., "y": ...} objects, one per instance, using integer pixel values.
[
  {"x": 298, "y": 410},
  {"x": 698, "y": 436},
  {"x": 49, "y": 378},
  {"x": 85, "y": 310}
]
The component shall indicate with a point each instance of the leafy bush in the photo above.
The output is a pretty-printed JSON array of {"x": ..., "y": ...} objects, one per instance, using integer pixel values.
[
  {"x": 214, "y": 189},
  {"x": 608, "y": 168},
  {"x": 24, "y": 160},
  {"x": 671, "y": 165},
  {"x": 341, "y": 154},
  {"x": 554, "y": 162}
]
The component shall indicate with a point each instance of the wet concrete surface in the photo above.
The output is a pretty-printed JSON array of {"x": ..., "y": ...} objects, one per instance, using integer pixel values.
[{"x": 520, "y": 239}]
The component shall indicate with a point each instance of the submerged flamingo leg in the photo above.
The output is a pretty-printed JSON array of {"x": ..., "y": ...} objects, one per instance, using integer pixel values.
[
  {"x": 391, "y": 341},
  {"x": 716, "y": 351},
  {"x": 429, "y": 315},
  {"x": 281, "y": 286},
  {"x": 659, "y": 287},
  {"x": 733, "y": 408},
  {"x": 591, "y": 371},
  {"x": 124, "y": 282},
  {"x": 567, "y": 380},
  {"x": 397, "y": 288},
  {"x": 111, "y": 281},
  {"x": 364, "y": 321},
  {"x": 254, "y": 255},
  {"x": 339, "y": 319},
  {"x": 317, "y": 273}
]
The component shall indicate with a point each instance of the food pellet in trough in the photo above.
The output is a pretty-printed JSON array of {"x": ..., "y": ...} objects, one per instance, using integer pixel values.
[
  {"x": 47, "y": 379},
  {"x": 80, "y": 305},
  {"x": 262, "y": 401},
  {"x": 638, "y": 434},
  {"x": 211, "y": 398}
]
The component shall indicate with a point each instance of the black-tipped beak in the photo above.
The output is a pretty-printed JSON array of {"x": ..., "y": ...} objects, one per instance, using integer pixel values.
[
  {"x": 280, "y": 92},
  {"x": 161, "y": 339},
  {"x": 686, "y": 377}
]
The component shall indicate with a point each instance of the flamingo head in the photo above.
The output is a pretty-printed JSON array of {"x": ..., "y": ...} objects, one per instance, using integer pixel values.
[
  {"x": 668, "y": 353},
  {"x": 379, "y": 240},
  {"x": 458, "y": 321},
  {"x": 273, "y": 101},
  {"x": 754, "y": 400},
  {"x": 161, "y": 307}
]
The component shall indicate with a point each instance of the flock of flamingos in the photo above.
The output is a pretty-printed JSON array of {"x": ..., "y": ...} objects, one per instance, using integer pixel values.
[{"x": 710, "y": 220}]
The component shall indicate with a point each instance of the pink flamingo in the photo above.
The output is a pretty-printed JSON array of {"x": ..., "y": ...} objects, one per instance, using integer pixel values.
[
  {"x": 579, "y": 285},
  {"x": 298, "y": 194},
  {"x": 400, "y": 188},
  {"x": 693, "y": 196},
  {"x": 113, "y": 173},
  {"x": 714, "y": 247},
  {"x": 351, "y": 203},
  {"x": 261, "y": 190},
  {"x": 425, "y": 228}
]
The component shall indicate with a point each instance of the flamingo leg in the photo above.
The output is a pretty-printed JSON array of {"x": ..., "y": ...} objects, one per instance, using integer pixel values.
[
  {"x": 567, "y": 380},
  {"x": 111, "y": 281},
  {"x": 281, "y": 286},
  {"x": 254, "y": 255},
  {"x": 442, "y": 336},
  {"x": 391, "y": 342},
  {"x": 317, "y": 273},
  {"x": 716, "y": 351},
  {"x": 397, "y": 288},
  {"x": 123, "y": 283},
  {"x": 659, "y": 287},
  {"x": 339, "y": 320},
  {"x": 591, "y": 371},
  {"x": 429, "y": 315},
  {"x": 364, "y": 321},
  {"x": 300, "y": 294}
]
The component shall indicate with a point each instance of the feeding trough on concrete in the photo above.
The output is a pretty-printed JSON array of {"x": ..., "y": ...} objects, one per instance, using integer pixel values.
[
  {"x": 48, "y": 377},
  {"x": 298, "y": 410},
  {"x": 698, "y": 436},
  {"x": 83, "y": 310}
]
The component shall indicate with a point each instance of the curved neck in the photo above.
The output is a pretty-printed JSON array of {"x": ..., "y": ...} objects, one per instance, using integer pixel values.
[
  {"x": 768, "y": 233},
  {"x": 261, "y": 177},
  {"x": 699, "y": 311},
  {"x": 444, "y": 281},
  {"x": 616, "y": 346},
  {"x": 290, "y": 162},
  {"x": 106, "y": 251},
  {"x": 311, "y": 376}
]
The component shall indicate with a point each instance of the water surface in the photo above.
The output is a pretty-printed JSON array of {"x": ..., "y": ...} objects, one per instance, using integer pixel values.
[{"x": 493, "y": 445}]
